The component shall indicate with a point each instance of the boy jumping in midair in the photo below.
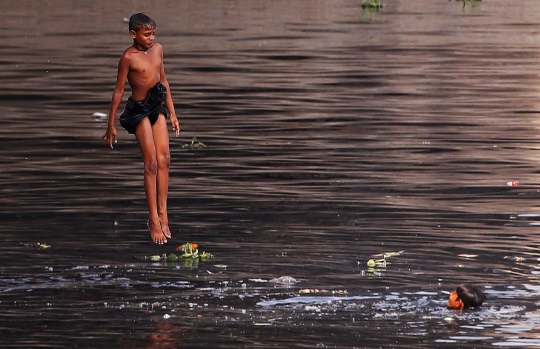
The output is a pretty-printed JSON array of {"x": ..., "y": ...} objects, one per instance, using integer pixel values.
[{"x": 144, "y": 115}]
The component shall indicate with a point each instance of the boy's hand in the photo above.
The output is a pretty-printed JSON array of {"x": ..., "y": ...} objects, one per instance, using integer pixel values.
[
  {"x": 110, "y": 136},
  {"x": 175, "y": 124}
]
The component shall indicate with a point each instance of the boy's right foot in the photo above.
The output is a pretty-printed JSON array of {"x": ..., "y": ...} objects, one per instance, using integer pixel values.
[{"x": 155, "y": 232}]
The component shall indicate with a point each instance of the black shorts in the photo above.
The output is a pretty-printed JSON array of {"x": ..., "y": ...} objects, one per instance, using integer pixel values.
[{"x": 150, "y": 107}]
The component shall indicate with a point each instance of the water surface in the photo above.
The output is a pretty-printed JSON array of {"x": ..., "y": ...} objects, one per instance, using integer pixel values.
[{"x": 333, "y": 133}]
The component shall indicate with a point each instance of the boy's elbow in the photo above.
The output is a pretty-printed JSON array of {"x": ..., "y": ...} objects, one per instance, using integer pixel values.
[{"x": 118, "y": 93}]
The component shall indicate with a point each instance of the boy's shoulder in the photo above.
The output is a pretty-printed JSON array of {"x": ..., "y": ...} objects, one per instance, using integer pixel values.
[
  {"x": 158, "y": 47},
  {"x": 128, "y": 52}
]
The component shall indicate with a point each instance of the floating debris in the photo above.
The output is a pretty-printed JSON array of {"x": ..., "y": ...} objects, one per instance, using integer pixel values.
[
  {"x": 465, "y": 255},
  {"x": 372, "y": 4},
  {"x": 286, "y": 280},
  {"x": 387, "y": 254},
  {"x": 316, "y": 290},
  {"x": 195, "y": 144},
  {"x": 515, "y": 258},
  {"x": 378, "y": 263},
  {"x": 473, "y": 3},
  {"x": 99, "y": 116},
  {"x": 38, "y": 245},
  {"x": 373, "y": 272},
  {"x": 189, "y": 246},
  {"x": 190, "y": 252},
  {"x": 521, "y": 259}
]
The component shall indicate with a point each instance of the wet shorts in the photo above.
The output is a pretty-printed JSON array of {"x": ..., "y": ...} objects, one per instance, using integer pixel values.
[{"x": 150, "y": 107}]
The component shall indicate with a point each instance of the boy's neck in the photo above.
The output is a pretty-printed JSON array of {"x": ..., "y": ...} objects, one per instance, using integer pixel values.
[{"x": 139, "y": 48}]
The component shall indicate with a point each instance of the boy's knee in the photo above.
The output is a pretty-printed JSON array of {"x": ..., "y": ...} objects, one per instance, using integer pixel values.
[
  {"x": 151, "y": 166},
  {"x": 164, "y": 160}
]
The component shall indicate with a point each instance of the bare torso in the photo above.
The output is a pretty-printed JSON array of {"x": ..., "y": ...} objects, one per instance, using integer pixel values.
[{"x": 144, "y": 70}]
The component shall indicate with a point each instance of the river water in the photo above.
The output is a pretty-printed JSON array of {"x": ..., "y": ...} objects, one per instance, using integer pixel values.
[{"x": 332, "y": 133}]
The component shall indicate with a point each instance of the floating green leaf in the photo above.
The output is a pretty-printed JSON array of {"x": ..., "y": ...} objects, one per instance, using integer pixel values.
[
  {"x": 205, "y": 256},
  {"x": 379, "y": 263},
  {"x": 195, "y": 144},
  {"x": 372, "y": 4},
  {"x": 189, "y": 255},
  {"x": 387, "y": 254}
]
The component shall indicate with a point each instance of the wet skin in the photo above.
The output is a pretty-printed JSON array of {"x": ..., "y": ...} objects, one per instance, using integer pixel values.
[{"x": 454, "y": 302}]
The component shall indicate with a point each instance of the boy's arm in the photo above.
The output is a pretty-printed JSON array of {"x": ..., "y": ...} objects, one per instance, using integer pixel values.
[
  {"x": 168, "y": 101},
  {"x": 123, "y": 68}
]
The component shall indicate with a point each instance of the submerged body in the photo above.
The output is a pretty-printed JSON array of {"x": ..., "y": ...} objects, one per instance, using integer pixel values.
[{"x": 465, "y": 297}]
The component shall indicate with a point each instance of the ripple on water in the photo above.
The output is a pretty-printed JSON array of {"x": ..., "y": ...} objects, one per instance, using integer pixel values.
[{"x": 333, "y": 133}]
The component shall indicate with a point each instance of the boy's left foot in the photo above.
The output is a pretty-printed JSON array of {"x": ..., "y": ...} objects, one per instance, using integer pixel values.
[
  {"x": 164, "y": 221},
  {"x": 165, "y": 230}
]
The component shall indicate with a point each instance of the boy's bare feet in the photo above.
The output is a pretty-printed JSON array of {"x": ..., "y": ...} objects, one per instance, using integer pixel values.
[
  {"x": 155, "y": 232},
  {"x": 166, "y": 231},
  {"x": 164, "y": 221}
]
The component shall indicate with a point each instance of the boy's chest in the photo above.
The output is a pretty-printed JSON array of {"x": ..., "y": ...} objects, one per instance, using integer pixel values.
[{"x": 145, "y": 65}]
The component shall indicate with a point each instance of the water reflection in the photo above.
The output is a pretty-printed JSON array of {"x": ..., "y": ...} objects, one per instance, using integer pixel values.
[{"x": 332, "y": 134}]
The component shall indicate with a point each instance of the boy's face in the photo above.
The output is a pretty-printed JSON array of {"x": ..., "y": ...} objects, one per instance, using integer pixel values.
[
  {"x": 454, "y": 302},
  {"x": 144, "y": 37}
]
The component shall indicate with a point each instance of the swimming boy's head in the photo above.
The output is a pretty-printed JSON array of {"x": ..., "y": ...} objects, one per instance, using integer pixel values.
[
  {"x": 466, "y": 296},
  {"x": 140, "y": 20}
]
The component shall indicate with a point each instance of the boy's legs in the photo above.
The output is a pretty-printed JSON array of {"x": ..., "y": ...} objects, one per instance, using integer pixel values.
[
  {"x": 145, "y": 138},
  {"x": 161, "y": 141}
]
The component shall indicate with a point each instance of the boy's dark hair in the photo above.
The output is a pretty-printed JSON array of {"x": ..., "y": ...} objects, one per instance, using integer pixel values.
[
  {"x": 140, "y": 20},
  {"x": 471, "y": 296}
]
